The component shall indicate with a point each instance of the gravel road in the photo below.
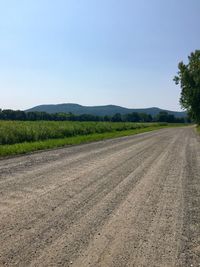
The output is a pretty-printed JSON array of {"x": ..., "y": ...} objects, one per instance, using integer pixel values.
[{"x": 131, "y": 201}]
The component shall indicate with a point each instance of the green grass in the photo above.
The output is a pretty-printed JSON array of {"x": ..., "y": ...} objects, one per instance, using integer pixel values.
[
  {"x": 18, "y": 137},
  {"x": 198, "y": 129},
  {"x": 12, "y": 132}
]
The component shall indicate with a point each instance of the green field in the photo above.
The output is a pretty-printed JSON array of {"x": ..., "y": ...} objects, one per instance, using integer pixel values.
[{"x": 18, "y": 137}]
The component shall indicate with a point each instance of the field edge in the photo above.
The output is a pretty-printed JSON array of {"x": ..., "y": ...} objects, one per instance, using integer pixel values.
[
  {"x": 39, "y": 146},
  {"x": 198, "y": 129}
]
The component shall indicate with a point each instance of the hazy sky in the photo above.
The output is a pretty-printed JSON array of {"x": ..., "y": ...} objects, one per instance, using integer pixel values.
[{"x": 94, "y": 52}]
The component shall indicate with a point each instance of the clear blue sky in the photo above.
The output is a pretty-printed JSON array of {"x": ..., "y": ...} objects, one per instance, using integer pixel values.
[{"x": 94, "y": 52}]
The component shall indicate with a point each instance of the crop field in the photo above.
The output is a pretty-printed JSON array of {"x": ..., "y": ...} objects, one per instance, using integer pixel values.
[
  {"x": 18, "y": 137},
  {"x": 12, "y": 132}
]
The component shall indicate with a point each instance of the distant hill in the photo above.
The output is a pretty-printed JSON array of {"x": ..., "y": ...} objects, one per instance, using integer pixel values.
[{"x": 99, "y": 110}]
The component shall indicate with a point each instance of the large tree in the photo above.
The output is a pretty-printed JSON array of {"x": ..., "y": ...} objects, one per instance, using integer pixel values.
[{"x": 189, "y": 79}]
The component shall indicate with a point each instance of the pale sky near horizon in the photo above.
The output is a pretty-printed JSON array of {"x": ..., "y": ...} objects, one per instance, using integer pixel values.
[{"x": 95, "y": 52}]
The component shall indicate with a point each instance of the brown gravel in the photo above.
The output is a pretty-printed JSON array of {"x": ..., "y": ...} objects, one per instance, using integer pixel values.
[{"x": 131, "y": 201}]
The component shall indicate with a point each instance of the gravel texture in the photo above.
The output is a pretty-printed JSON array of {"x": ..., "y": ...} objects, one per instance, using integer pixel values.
[{"x": 131, "y": 201}]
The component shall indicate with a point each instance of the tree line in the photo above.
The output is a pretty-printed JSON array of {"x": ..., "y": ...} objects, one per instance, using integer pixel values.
[{"x": 8, "y": 114}]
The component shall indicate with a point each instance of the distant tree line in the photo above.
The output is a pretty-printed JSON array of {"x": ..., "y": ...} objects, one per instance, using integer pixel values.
[{"x": 8, "y": 114}]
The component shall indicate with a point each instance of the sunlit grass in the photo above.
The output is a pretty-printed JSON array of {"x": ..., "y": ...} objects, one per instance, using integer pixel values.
[
  {"x": 12, "y": 132},
  {"x": 24, "y": 137}
]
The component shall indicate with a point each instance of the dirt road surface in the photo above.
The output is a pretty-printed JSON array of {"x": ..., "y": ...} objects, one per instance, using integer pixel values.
[{"x": 131, "y": 201}]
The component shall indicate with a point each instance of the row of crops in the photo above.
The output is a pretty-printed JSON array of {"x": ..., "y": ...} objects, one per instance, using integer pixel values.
[{"x": 13, "y": 132}]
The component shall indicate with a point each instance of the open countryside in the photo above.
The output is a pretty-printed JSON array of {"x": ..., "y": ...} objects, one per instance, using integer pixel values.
[{"x": 100, "y": 133}]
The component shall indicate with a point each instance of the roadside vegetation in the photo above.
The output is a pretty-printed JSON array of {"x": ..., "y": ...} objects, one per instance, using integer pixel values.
[
  {"x": 12, "y": 132},
  {"x": 198, "y": 129},
  {"x": 188, "y": 77},
  {"x": 18, "y": 137}
]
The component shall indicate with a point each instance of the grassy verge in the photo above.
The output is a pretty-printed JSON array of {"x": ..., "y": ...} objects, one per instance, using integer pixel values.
[
  {"x": 14, "y": 132},
  {"x": 198, "y": 129},
  {"x": 27, "y": 147}
]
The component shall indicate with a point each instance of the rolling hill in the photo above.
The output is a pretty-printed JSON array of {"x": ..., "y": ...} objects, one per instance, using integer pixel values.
[{"x": 99, "y": 110}]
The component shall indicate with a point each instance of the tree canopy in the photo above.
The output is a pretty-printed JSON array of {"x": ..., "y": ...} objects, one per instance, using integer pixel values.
[
  {"x": 8, "y": 114},
  {"x": 189, "y": 79}
]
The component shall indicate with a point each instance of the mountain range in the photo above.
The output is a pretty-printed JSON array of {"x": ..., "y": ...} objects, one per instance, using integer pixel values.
[{"x": 109, "y": 110}]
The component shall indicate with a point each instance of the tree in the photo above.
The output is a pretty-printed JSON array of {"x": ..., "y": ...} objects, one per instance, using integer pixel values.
[
  {"x": 117, "y": 117},
  {"x": 162, "y": 116},
  {"x": 107, "y": 118},
  {"x": 189, "y": 79},
  {"x": 132, "y": 117},
  {"x": 145, "y": 117}
]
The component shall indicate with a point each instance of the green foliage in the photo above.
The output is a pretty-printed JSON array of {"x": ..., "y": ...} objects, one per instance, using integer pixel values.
[
  {"x": 22, "y": 137},
  {"x": 198, "y": 129},
  {"x": 9, "y": 114},
  {"x": 12, "y": 132},
  {"x": 25, "y": 147},
  {"x": 170, "y": 118},
  {"x": 189, "y": 79}
]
